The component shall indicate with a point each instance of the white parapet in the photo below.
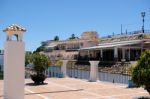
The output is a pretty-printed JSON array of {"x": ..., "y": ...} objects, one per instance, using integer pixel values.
[
  {"x": 14, "y": 70},
  {"x": 64, "y": 68},
  {"x": 93, "y": 70}
]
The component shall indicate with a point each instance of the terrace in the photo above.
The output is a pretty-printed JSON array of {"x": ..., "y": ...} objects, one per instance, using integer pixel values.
[
  {"x": 69, "y": 88},
  {"x": 135, "y": 35}
]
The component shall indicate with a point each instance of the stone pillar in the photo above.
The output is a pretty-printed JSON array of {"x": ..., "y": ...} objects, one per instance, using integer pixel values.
[
  {"x": 14, "y": 69},
  {"x": 93, "y": 70},
  {"x": 64, "y": 68},
  {"x": 116, "y": 53}
]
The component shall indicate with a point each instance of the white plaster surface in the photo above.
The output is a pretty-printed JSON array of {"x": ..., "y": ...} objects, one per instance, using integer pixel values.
[
  {"x": 116, "y": 52},
  {"x": 93, "y": 70},
  {"x": 14, "y": 70},
  {"x": 64, "y": 68}
]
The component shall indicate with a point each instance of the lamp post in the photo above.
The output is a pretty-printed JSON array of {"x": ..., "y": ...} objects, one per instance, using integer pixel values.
[{"x": 143, "y": 15}]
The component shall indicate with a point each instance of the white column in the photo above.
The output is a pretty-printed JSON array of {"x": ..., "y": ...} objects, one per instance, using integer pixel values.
[
  {"x": 64, "y": 68},
  {"x": 93, "y": 70},
  {"x": 115, "y": 52},
  {"x": 14, "y": 70}
]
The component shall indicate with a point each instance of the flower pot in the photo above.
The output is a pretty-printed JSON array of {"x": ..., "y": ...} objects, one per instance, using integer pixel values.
[{"x": 38, "y": 78}]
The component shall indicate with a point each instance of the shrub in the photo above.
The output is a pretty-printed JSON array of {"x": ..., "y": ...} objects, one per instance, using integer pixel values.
[
  {"x": 141, "y": 73},
  {"x": 130, "y": 68},
  {"x": 40, "y": 64}
]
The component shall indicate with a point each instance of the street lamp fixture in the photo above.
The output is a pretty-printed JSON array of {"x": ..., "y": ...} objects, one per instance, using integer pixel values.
[{"x": 143, "y": 15}]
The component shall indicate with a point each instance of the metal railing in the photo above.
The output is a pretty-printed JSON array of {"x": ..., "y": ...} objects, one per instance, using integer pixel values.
[
  {"x": 83, "y": 72},
  {"x": 127, "y": 34}
]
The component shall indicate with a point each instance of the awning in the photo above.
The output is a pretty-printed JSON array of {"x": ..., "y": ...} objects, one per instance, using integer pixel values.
[{"x": 114, "y": 44}]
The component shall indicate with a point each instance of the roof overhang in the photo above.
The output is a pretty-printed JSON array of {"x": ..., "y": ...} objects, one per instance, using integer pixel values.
[
  {"x": 51, "y": 46},
  {"x": 114, "y": 44}
]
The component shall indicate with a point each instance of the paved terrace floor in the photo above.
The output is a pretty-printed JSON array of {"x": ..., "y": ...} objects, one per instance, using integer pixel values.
[{"x": 71, "y": 88}]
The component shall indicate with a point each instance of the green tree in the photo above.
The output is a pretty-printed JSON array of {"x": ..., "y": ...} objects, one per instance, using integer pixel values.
[
  {"x": 39, "y": 49},
  {"x": 28, "y": 58},
  {"x": 40, "y": 64},
  {"x": 72, "y": 36},
  {"x": 141, "y": 73},
  {"x": 56, "y": 38}
]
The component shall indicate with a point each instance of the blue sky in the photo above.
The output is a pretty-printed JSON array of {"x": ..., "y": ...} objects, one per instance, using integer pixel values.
[{"x": 45, "y": 19}]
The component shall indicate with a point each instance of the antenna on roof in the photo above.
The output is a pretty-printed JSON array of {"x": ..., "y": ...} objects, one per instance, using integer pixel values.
[{"x": 121, "y": 28}]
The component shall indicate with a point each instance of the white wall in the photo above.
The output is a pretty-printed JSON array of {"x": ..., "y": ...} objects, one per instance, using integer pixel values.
[
  {"x": 89, "y": 44},
  {"x": 14, "y": 68}
]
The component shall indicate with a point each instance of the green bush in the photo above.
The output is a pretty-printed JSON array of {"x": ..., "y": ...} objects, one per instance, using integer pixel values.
[
  {"x": 40, "y": 64},
  {"x": 130, "y": 68},
  {"x": 141, "y": 73}
]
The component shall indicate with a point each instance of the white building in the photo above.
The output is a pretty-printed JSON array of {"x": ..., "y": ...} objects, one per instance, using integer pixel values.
[
  {"x": 125, "y": 47},
  {"x": 68, "y": 49}
]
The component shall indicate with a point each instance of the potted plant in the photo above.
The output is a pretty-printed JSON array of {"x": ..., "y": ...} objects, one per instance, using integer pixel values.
[{"x": 40, "y": 63}]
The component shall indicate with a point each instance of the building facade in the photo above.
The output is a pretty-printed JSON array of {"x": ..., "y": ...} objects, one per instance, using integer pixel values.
[
  {"x": 124, "y": 47},
  {"x": 68, "y": 49}
]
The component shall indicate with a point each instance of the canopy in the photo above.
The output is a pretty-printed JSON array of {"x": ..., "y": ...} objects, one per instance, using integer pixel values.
[
  {"x": 51, "y": 46},
  {"x": 114, "y": 44}
]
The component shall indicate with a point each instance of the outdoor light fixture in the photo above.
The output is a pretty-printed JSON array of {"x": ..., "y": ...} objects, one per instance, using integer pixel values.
[{"x": 143, "y": 15}]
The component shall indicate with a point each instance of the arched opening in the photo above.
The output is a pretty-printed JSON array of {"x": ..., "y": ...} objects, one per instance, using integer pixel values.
[{"x": 14, "y": 37}]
